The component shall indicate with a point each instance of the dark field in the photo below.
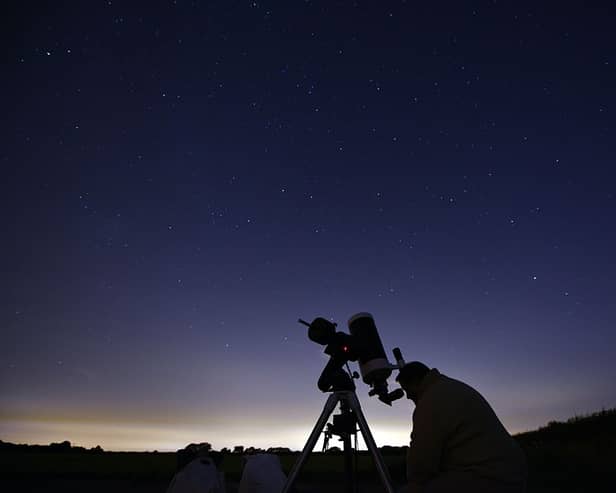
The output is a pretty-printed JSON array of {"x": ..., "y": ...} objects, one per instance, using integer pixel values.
[
  {"x": 151, "y": 472},
  {"x": 120, "y": 472},
  {"x": 576, "y": 456}
]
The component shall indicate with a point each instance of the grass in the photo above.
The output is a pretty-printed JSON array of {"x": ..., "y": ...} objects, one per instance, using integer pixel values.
[
  {"x": 161, "y": 466},
  {"x": 576, "y": 455},
  {"x": 107, "y": 465}
]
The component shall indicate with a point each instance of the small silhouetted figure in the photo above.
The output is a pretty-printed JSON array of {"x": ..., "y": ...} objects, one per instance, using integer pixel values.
[
  {"x": 458, "y": 444},
  {"x": 197, "y": 471}
]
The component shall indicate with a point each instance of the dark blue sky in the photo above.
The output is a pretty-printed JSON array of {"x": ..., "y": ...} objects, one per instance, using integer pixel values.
[{"x": 184, "y": 180}]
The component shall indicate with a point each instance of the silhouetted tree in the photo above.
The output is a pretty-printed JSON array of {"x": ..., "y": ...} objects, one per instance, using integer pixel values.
[
  {"x": 65, "y": 446},
  {"x": 278, "y": 450},
  {"x": 191, "y": 452}
]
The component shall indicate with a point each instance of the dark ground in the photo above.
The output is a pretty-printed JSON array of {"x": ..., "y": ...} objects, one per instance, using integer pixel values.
[
  {"x": 142, "y": 486},
  {"x": 576, "y": 456}
]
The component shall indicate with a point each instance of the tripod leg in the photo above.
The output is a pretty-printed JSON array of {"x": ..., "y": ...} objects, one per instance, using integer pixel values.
[
  {"x": 348, "y": 464},
  {"x": 329, "y": 407},
  {"x": 365, "y": 431}
]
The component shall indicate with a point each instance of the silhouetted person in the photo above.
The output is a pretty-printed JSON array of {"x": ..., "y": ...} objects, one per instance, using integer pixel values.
[
  {"x": 458, "y": 444},
  {"x": 197, "y": 471},
  {"x": 262, "y": 474}
]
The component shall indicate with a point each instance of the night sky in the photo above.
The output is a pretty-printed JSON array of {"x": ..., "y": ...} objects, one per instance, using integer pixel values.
[{"x": 183, "y": 180}]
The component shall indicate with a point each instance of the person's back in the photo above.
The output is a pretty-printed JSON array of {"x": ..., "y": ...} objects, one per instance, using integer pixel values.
[
  {"x": 458, "y": 441},
  {"x": 199, "y": 476},
  {"x": 262, "y": 474}
]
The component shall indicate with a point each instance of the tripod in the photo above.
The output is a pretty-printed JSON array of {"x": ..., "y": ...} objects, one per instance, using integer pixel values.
[{"x": 349, "y": 406}]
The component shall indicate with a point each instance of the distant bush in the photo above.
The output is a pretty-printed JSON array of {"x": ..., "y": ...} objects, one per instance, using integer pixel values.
[{"x": 64, "y": 447}]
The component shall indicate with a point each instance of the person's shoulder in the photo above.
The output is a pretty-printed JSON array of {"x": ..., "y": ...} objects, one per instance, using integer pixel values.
[
  {"x": 460, "y": 391},
  {"x": 454, "y": 382},
  {"x": 445, "y": 388},
  {"x": 435, "y": 388},
  {"x": 438, "y": 381}
]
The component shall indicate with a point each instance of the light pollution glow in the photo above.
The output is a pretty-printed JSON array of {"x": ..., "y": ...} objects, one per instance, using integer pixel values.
[
  {"x": 136, "y": 437},
  {"x": 264, "y": 425},
  {"x": 147, "y": 437}
]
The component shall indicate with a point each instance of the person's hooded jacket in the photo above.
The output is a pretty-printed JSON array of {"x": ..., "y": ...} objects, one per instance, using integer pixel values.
[{"x": 456, "y": 430}]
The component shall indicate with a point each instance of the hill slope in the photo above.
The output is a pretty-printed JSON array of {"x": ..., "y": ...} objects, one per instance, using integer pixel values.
[{"x": 574, "y": 455}]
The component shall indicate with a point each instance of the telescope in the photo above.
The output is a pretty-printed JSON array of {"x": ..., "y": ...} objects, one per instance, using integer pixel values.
[{"x": 362, "y": 344}]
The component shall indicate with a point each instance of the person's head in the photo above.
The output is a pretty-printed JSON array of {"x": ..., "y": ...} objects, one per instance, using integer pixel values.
[
  {"x": 410, "y": 377},
  {"x": 197, "y": 451}
]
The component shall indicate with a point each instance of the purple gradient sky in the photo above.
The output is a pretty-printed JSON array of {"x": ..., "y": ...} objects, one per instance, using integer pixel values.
[{"x": 182, "y": 181}]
